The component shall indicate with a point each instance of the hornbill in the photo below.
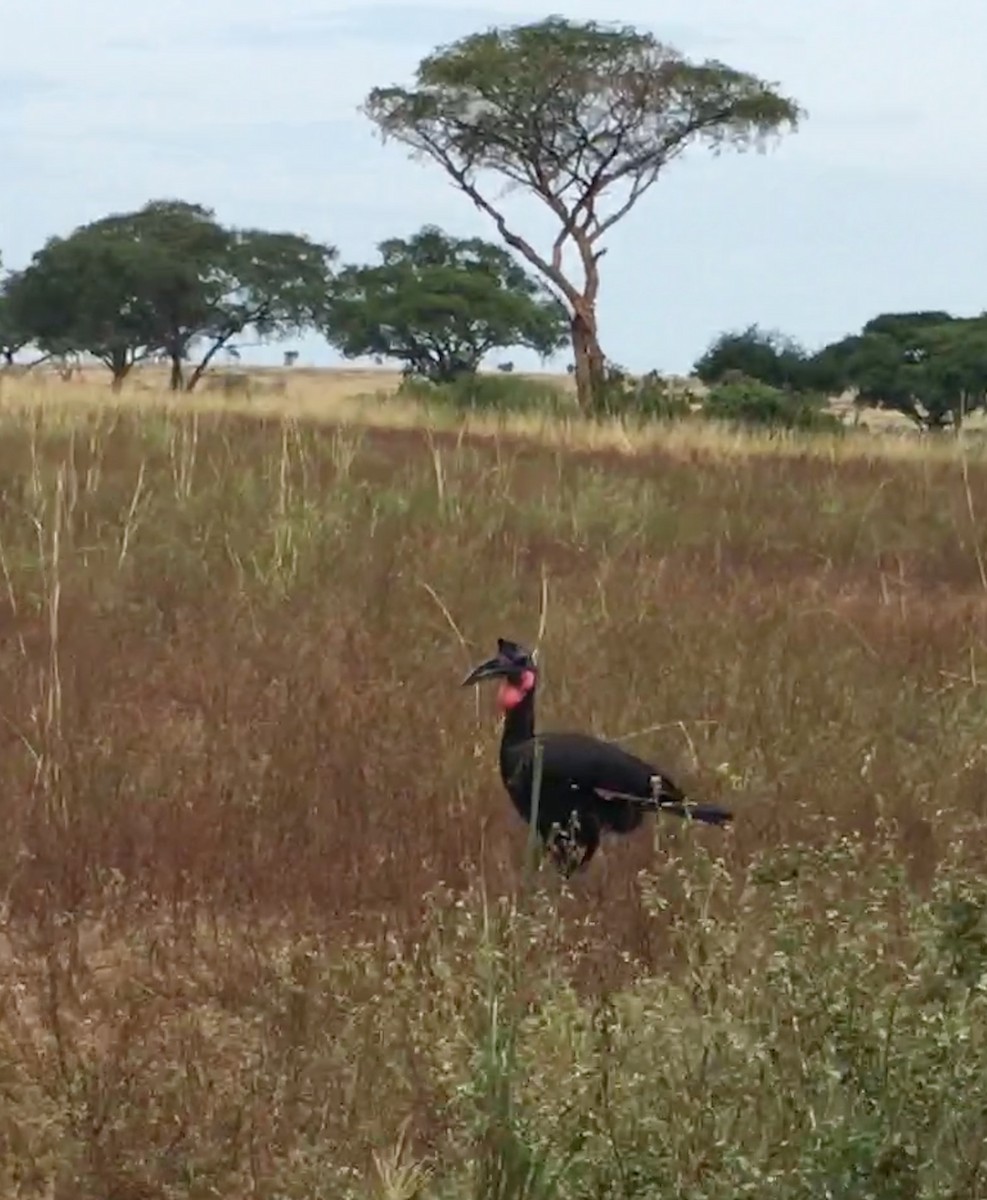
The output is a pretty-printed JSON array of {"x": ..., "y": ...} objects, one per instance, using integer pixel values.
[{"x": 587, "y": 785}]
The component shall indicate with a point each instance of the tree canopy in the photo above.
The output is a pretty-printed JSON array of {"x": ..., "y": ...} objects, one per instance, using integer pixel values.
[
  {"x": 13, "y": 335},
  {"x": 164, "y": 278},
  {"x": 275, "y": 284},
  {"x": 85, "y": 292},
  {"x": 439, "y": 304},
  {"x": 930, "y": 366},
  {"x": 583, "y": 116},
  {"x": 768, "y": 356}
]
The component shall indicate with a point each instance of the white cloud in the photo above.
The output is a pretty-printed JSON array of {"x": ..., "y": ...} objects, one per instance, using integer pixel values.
[{"x": 121, "y": 65}]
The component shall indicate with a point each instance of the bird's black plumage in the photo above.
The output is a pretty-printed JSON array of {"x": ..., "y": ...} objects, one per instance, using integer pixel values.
[{"x": 588, "y": 785}]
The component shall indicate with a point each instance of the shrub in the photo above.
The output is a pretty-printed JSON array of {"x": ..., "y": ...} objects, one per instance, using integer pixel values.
[
  {"x": 741, "y": 400},
  {"x": 502, "y": 393},
  {"x": 768, "y": 356},
  {"x": 643, "y": 398}
]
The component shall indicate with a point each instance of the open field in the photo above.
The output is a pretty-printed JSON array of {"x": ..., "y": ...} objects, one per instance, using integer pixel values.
[
  {"x": 265, "y": 930},
  {"x": 366, "y": 397}
]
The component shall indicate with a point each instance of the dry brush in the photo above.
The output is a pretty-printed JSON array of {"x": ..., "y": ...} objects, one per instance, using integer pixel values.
[{"x": 264, "y": 925}]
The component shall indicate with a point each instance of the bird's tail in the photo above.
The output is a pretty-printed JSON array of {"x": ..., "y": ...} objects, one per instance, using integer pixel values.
[
  {"x": 676, "y": 803},
  {"x": 708, "y": 814}
]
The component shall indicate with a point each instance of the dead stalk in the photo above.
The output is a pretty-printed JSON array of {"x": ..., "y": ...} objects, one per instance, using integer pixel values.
[
  {"x": 455, "y": 629},
  {"x": 11, "y": 597},
  {"x": 183, "y": 451},
  {"x": 440, "y": 486},
  {"x": 50, "y": 715},
  {"x": 284, "y": 473},
  {"x": 542, "y": 612},
  {"x": 130, "y": 524},
  {"x": 971, "y": 512}
]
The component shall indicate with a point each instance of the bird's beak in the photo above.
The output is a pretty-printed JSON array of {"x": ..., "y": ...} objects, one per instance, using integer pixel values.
[{"x": 490, "y": 669}]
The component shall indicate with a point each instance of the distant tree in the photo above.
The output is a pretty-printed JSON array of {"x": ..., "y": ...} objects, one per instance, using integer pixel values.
[
  {"x": 86, "y": 293},
  {"x": 905, "y": 324},
  {"x": 162, "y": 279},
  {"x": 210, "y": 284},
  {"x": 767, "y": 356},
  {"x": 13, "y": 336},
  {"x": 927, "y": 365},
  {"x": 274, "y": 284},
  {"x": 575, "y": 113},
  {"x": 183, "y": 252},
  {"x": 439, "y": 304}
]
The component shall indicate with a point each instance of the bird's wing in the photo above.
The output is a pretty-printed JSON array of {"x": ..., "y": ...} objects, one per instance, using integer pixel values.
[
  {"x": 590, "y": 764},
  {"x": 587, "y": 767}
]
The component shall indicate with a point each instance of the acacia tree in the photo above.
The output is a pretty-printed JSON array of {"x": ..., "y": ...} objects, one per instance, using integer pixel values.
[
  {"x": 577, "y": 114},
  {"x": 929, "y": 366},
  {"x": 768, "y": 356},
  {"x": 13, "y": 335},
  {"x": 85, "y": 292},
  {"x": 182, "y": 249},
  {"x": 439, "y": 304},
  {"x": 208, "y": 284}
]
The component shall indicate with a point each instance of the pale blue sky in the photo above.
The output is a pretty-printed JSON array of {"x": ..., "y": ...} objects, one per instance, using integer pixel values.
[{"x": 878, "y": 203}]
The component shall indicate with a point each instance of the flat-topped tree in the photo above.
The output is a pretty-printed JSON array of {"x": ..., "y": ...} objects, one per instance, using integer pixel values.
[
  {"x": 85, "y": 293},
  {"x": 208, "y": 283},
  {"x": 766, "y": 355},
  {"x": 439, "y": 304},
  {"x": 582, "y": 115},
  {"x": 929, "y": 366},
  {"x": 163, "y": 278},
  {"x": 184, "y": 252}
]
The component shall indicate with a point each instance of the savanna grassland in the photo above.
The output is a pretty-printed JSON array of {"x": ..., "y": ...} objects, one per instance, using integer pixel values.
[{"x": 266, "y": 930}]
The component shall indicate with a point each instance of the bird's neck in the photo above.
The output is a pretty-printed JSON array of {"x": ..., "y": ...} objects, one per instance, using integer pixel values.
[{"x": 519, "y": 722}]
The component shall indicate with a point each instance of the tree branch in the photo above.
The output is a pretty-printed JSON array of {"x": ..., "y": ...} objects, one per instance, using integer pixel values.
[{"x": 460, "y": 176}]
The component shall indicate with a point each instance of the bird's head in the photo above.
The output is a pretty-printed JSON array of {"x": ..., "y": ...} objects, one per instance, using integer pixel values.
[{"x": 514, "y": 667}]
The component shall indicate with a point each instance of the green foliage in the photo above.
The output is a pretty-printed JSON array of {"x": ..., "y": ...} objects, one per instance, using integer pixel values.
[
  {"x": 439, "y": 304},
  {"x": 163, "y": 278},
  {"x": 767, "y": 356},
  {"x": 489, "y": 393},
  {"x": 87, "y": 293},
  {"x": 749, "y": 402},
  {"x": 12, "y": 336},
  {"x": 793, "y": 1060},
  {"x": 903, "y": 325},
  {"x": 929, "y": 366},
  {"x": 577, "y": 113},
  {"x": 640, "y": 398},
  {"x": 185, "y": 252},
  {"x": 210, "y": 284}
]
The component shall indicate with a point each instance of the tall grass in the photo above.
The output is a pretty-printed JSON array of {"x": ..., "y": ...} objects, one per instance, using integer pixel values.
[
  {"x": 537, "y": 408},
  {"x": 266, "y": 924}
]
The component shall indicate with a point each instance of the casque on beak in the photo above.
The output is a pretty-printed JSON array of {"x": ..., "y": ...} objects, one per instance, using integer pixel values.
[{"x": 493, "y": 668}]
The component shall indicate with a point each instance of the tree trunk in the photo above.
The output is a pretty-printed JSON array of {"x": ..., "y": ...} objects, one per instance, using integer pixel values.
[
  {"x": 207, "y": 358},
  {"x": 177, "y": 380},
  {"x": 590, "y": 374},
  {"x": 119, "y": 363}
]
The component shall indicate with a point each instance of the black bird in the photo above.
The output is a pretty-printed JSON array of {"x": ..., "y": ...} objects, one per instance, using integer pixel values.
[{"x": 588, "y": 785}]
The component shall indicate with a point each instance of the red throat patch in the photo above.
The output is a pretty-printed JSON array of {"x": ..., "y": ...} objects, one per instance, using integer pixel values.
[{"x": 510, "y": 695}]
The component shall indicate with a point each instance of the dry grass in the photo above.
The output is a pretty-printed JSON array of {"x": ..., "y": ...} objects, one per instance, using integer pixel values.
[
  {"x": 264, "y": 928},
  {"x": 365, "y": 398}
]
